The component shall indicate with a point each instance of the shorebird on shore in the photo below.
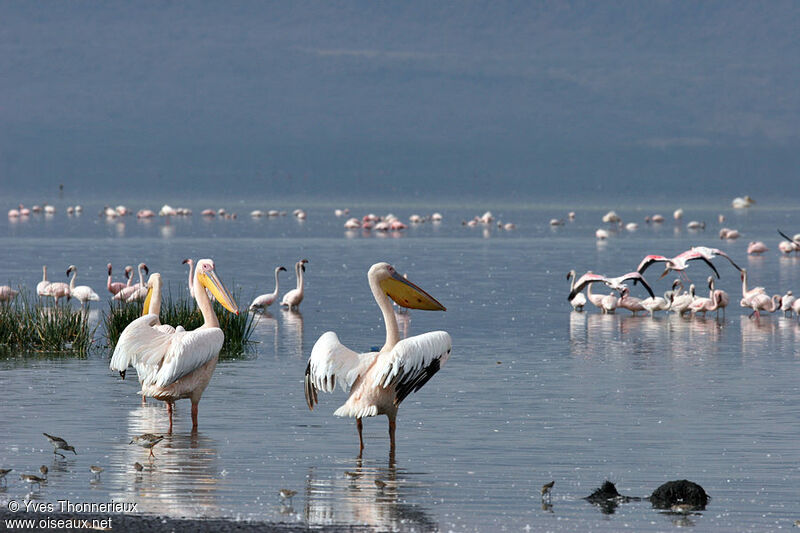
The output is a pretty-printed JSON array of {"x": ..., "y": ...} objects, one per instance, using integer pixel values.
[
  {"x": 147, "y": 440},
  {"x": 59, "y": 444},
  {"x": 96, "y": 470},
  {"x": 3, "y": 473}
]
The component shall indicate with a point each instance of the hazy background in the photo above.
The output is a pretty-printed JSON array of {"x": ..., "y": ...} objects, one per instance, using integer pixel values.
[{"x": 424, "y": 99}]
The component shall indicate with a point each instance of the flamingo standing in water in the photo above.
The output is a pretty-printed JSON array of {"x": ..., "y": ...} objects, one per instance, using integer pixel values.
[
  {"x": 762, "y": 302},
  {"x": 43, "y": 287},
  {"x": 681, "y": 301},
  {"x": 265, "y": 300},
  {"x": 749, "y": 293},
  {"x": 626, "y": 301},
  {"x": 58, "y": 290},
  {"x": 579, "y": 300},
  {"x": 379, "y": 381},
  {"x": 115, "y": 287},
  {"x": 756, "y": 248},
  {"x": 178, "y": 364},
  {"x": 658, "y": 303},
  {"x": 787, "y": 302},
  {"x": 293, "y": 298},
  {"x": 722, "y": 298},
  {"x": 83, "y": 293},
  {"x": 137, "y": 291}
]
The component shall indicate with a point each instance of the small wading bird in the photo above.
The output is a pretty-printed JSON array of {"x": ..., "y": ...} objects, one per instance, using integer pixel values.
[
  {"x": 615, "y": 283},
  {"x": 3, "y": 473},
  {"x": 32, "y": 480},
  {"x": 176, "y": 364},
  {"x": 147, "y": 441},
  {"x": 379, "y": 381},
  {"x": 293, "y": 298},
  {"x": 265, "y": 300},
  {"x": 59, "y": 444}
]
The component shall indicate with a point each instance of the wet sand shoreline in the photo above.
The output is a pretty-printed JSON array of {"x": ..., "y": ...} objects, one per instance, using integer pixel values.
[{"x": 146, "y": 523}]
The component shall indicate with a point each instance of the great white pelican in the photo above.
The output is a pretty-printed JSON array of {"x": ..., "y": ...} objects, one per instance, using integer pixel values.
[
  {"x": 379, "y": 381},
  {"x": 176, "y": 364}
]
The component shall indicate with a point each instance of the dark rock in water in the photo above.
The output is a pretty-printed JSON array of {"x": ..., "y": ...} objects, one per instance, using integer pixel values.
[
  {"x": 682, "y": 492},
  {"x": 607, "y": 497}
]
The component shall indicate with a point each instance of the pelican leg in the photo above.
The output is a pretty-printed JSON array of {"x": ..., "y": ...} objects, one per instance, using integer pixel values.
[
  {"x": 360, "y": 428},
  {"x": 194, "y": 416},
  {"x": 169, "y": 412},
  {"x": 392, "y": 427}
]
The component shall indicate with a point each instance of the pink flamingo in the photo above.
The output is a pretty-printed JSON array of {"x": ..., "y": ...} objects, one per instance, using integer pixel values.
[
  {"x": 678, "y": 263},
  {"x": 127, "y": 293},
  {"x": 626, "y": 301},
  {"x": 7, "y": 293},
  {"x": 762, "y": 302},
  {"x": 117, "y": 286},
  {"x": 615, "y": 283},
  {"x": 756, "y": 248},
  {"x": 43, "y": 287},
  {"x": 749, "y": 293},
  {"x": 722, "y": 299},
  {"x": 596, "y": 299},
  {"x": 59, "y": 290}
]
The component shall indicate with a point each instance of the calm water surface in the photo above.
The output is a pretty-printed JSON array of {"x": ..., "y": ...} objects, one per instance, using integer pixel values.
[{"x": 532, "y": 393}]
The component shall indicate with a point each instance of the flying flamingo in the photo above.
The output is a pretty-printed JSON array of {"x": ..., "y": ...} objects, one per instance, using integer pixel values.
[
  {"x": 265, "y": 300},
  {"x": 379, "y": 381},
  {"x": 614, "y": 283},
  {"x": 117, "y": 286},
  {"x": 579, "y": 300},
  {"x": 711, "y": 253},
  {"x": 293, "y": 298},
  {"x": 83, "y": 293},
  {"x": 678, "y": 263},
  {"x": 178, "y": 364}
]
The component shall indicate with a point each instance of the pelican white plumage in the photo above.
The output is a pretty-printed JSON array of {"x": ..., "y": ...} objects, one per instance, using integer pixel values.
[
  {"x": 137, "y": 291},
  {"x": 83, "y": 293},
  {"x": 380, "y": 381},
  {"x": 265, "y": 300},
  {"x": 173, "y": 365},
  {"x": 43, "y": 287},
  {"x": 293, "y": 298},
  {"x": 580, "y": 299}
]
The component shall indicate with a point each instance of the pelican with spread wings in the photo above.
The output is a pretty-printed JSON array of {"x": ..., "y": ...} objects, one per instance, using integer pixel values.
[
  {"x": 173, "y": 364},
  {"x": 379, "y": 381}
]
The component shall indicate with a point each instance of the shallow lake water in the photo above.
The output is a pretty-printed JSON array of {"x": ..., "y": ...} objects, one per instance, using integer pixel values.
[{"x": 533, "y": 392}]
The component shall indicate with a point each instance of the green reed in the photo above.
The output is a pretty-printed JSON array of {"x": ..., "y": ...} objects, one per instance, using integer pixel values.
[
  {"x": 180, "y": 310},
  {"x": 27, "y": 325}
]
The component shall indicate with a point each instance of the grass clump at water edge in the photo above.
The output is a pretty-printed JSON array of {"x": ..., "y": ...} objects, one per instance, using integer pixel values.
[
  {"x": 27, "y": 325},
  {"x": 181, "y": 311}
]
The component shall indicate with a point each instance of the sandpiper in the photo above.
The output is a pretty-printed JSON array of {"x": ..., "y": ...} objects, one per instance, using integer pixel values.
[
  {"x": 546, "y": 490},
  {"x": 147, "y": 440},
  {"x": 381, "y": 484},
  {"x": 96, "y": 470},
  {"x": 138, "y": 466},
  {"x": 33, "y": 480},
  {"x": 287, "y": 494},
  {"x": 3, "y": 472},
  {"x": 59, "y": 444},
  {"x": 352, "y": 475}
]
